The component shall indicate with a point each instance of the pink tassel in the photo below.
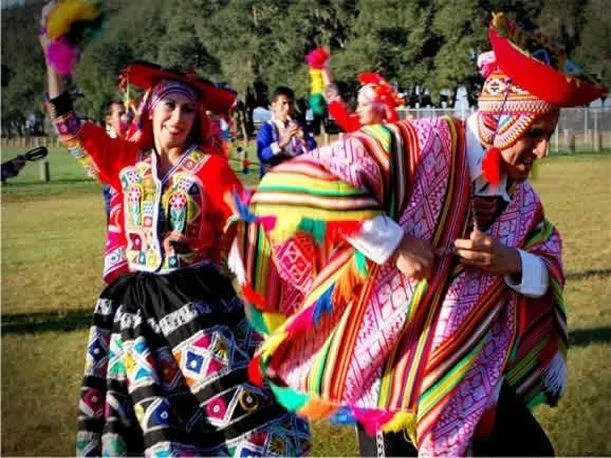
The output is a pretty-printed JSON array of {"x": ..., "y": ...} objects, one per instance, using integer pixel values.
[
  {"x": 62, "y": 57},
  {"x": 268, "y": 222},
  {"x": 303, "y": 321},
  {"x": 372, "y": 420}
]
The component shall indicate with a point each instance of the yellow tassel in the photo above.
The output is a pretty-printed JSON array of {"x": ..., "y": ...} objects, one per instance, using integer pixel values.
[
  {"x": 283, "y": 230},
  {"x": 270, "y": 344},
  {"x": 273, "y": 320},
  {"x": 402, "y": 421}
]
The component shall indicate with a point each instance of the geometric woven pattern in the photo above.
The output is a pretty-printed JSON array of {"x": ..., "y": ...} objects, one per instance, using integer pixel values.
[
  {"x": 162, "y": 384},
  {"x": 428, "y": 356}
]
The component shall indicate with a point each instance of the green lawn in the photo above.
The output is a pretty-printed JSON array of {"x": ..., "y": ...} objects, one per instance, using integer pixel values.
[{"x": 52, "y": 241}]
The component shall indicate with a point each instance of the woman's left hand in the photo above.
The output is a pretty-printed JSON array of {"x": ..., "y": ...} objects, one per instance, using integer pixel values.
[{"x": 484, "y": 252}]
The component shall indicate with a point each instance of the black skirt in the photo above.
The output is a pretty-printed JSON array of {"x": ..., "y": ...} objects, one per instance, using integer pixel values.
[{"x": 165, "y": 373}]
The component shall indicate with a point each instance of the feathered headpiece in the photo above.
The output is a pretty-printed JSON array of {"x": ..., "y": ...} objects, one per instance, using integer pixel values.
[{"x": 384, "y": 93}]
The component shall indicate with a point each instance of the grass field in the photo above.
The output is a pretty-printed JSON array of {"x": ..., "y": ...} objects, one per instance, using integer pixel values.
[{"x": 52, "y": 240}]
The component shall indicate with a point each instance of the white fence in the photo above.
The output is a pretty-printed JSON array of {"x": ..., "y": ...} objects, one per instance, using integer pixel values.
[{"x": 579, "y": 129}]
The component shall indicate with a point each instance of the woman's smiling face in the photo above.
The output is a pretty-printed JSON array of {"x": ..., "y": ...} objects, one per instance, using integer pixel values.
[{"x": 173, "y": 119}]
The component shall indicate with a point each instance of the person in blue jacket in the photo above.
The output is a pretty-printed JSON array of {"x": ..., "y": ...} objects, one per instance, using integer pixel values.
[{"x": 282, "y": 137}]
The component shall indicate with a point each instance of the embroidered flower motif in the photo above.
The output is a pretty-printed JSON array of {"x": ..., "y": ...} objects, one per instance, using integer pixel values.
[
  {"x": 216, "y": 408},
  {"x": 248, "y": 401}
]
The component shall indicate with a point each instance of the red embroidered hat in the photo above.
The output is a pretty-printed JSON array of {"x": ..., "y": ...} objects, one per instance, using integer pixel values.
[
  {"x": 540, "y": 66},
  {"x": 145, "y": 75}
]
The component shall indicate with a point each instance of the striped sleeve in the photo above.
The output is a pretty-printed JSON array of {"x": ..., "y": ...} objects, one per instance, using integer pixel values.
[{"x": 102, "y": 157}]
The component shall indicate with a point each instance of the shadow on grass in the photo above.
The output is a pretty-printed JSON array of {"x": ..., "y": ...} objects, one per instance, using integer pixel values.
[
  {"x": 33, "y": 323},
  {"x": 53, "y": 182},
  {"x": 585, "y": 337},
  {"x": 588, "y": 273}
]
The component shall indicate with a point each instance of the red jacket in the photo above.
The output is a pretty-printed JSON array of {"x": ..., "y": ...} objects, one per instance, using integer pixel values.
[{"x": 168, "y": 222}]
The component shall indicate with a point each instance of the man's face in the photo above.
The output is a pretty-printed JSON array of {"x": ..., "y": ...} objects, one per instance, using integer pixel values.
[
  {"x": 283, "y": 108},
  {"x": 114, "y": 119},
  {"x": 532, "y": 145}
]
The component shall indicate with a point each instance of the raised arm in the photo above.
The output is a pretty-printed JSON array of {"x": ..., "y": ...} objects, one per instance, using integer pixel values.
[{"x": 101, "y": 156}]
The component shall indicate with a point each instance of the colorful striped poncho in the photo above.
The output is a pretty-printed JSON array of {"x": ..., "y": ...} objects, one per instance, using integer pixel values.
[{"x": 353, "y": 341}]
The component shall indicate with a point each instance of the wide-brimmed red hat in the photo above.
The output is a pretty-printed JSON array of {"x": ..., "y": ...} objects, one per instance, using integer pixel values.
[
  {"x": 525, "y": 63},
  {"x": 145, "y": 75}
]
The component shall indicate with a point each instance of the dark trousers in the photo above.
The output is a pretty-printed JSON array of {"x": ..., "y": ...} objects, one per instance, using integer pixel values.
[
  {"x": 385, "y": 444},
  {"x": 516, "y": 432}
]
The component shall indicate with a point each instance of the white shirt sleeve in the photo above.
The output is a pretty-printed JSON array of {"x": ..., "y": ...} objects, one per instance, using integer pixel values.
[
  {"x": 535, "y": 276},
  {"x": 275, "y": 148},
  {"x": 378, "y": 238}
]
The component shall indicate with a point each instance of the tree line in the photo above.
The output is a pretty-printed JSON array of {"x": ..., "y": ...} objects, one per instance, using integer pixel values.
[{"x": 255, "y": 45}]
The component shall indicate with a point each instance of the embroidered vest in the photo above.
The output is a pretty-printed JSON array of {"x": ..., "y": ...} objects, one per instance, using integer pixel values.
[{"x": 165, "y": 222}]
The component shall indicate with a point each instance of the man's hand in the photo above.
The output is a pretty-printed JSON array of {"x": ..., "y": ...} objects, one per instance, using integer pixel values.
[
  {"x": 288, "y": 135},
  {"x": 484, "y": 252},
  {"x": 414, "y": 258}
]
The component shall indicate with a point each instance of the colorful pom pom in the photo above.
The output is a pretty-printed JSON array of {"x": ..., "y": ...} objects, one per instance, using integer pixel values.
[
  {"x": 62, "y": 57},
  {"x": 69, "y": 25},
  {"x": 317, "y": 58},
  {"x": 372, "y": 420},
  {"x": 68, "y": 12}
]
